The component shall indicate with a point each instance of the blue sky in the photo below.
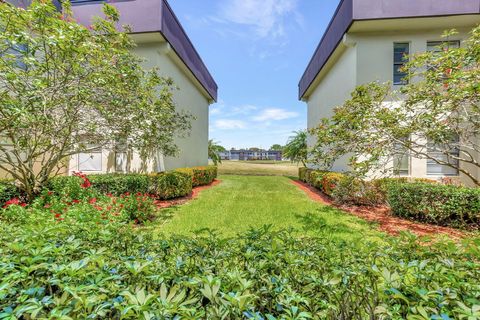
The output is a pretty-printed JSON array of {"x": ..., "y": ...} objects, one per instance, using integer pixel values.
[{"x": 257, "y": 51}]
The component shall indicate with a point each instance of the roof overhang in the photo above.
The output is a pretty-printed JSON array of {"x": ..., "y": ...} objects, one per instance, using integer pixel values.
[
  {"x": 149, "y": 17},
  {"x": 371, "y": 15}
]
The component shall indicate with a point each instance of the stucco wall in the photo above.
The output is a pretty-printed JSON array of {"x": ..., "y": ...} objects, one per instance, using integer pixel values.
[
  {"x": 368, "y": 57},
  {"x": 333, "y": 89},
  {"x": 375, "y": 63},
  {"x": 193, "y": 149}
]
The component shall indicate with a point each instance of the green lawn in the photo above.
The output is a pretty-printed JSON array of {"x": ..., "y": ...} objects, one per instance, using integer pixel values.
[
  {"x": 266, "y": 168},
  {"x": 242, "y": 202}
]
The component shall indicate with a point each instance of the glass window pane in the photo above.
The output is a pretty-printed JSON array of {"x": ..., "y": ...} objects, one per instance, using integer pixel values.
[
  {"x": 435, "y": 169},
  {"x": 435, "y": 151},
  {"x": 436, "y": 46},
  {"x": 90, "y": 161},
  {"x": 121, "y": 161},
  {"x": 400, "y": 52},
  {"x": 400, "y": 57}
]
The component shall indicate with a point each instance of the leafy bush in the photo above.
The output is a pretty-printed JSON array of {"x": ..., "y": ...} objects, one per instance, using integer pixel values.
[
  {"x": 435, "y": 203},
  {"x": 170, "y": 185},
  {"x": 324, "y": 180},
  {"x": 353, "y": 191},
  {"x": 135, "y": 207},
  {"x": 8, "y": 191},
  {"x": 89, "y": 269},
  {"x": 200, "y": 175},
  {"x": 303, "y": 173},
  {"x": 162, "y": 185},
  {"x": 118, "y": 184}
]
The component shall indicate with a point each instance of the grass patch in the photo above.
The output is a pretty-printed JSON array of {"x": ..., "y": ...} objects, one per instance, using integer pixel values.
[
  {"x": 265, "y": 168},
  {"x": 240, "y": 203}
]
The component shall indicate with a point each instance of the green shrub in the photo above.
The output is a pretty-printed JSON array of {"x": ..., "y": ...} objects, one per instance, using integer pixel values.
[
  {"x": 200, "y": 175},
  {"x": 118, "y": 184},
  {"x": 135, "y": 207},
  {"x": 163, "y": 186},
  {"x": 324, "y": 181},
  {"x": 8, "y": 191},
  {"x": 435, "y": 203},
  {"x": 303, "y": 173},
  {"x": 69, "y": 188},
  {"x": 353, "y": 191},
  {"x": 95, "y": 270},
  {"x": 170, "y": 185}
]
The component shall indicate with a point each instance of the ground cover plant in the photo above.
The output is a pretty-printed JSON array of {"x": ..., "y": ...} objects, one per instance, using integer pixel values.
[{"x": 83, "y": 267}]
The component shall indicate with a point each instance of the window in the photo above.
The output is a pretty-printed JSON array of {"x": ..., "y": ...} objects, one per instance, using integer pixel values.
[
  {"x": 400, "y": 57},
  {"x": 121, "y": 157},
  {"x": 121, "y": 161},
  {"x": 401, "y": 160},
  {"x": 439, "y": 152},
  {"x": 437, "y": 46},
  {"x": 90, "y": 161}
]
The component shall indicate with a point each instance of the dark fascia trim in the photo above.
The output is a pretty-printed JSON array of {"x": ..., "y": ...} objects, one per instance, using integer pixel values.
[
  {"x": 172, "y": 31},
  {"x": 203, "y": 75},
  {"x": 347, "y": 8}
]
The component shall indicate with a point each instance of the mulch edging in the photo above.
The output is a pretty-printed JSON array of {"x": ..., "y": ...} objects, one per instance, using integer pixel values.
[
  {"x": 382, "y": 215},
  {"x": 163, "y": 204}
]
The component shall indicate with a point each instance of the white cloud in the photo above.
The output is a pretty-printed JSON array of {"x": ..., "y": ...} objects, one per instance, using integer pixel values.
[
  {"x": 227, "y": 124},
  {"x": 266, "y": 17},
  {"x": 274, "y": 114}
]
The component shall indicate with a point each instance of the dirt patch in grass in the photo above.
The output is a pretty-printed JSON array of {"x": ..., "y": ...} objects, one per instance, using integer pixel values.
[
  {"x": 382, "y": 215},
  {"x": 162, "y": 204}
]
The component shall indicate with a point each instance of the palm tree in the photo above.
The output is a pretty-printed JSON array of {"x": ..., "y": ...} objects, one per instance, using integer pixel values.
[
  {"x": 214, "y": 150},
  {"x": 296, "y": 149}
]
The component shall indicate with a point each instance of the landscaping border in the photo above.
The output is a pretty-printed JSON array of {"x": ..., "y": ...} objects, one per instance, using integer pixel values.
[{"x": 381, "y": 215}]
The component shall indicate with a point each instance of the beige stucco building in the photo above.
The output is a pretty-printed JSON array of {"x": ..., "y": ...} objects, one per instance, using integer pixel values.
[
  {"x": 363, "y": 43},
  {"x": 163, "y": 43}
]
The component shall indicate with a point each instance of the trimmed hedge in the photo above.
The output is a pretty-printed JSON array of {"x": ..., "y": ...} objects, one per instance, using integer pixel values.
[
  {"x": 118, "y": 184},
  {"x": 170, "y": 185},
  {"x": 8, "y": 190},
  {"x": 200, "y": 175},
  {"x": 164, "y": 186},
  {"x": 419, "y": 199},
  {"x": 435, "y": 203},
  {"x": 303, "y": 173}
]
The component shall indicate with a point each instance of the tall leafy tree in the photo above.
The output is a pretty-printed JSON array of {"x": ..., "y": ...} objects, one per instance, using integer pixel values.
[
  {"x": 214, "y": 149},
  {"x": 277, "y": 147},
  {"x": 296, "y": 149},
  {"x": 66, "y": 88},
  {"x": 435, "y": 117}
]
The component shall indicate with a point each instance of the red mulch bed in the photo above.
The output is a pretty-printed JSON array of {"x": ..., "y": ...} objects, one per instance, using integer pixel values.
[
  {"x": 381, "y": 215},
  {"x": 162, "y": 204}
]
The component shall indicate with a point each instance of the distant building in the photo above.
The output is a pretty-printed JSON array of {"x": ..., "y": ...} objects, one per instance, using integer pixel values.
[{"x": 251, "y": 155}]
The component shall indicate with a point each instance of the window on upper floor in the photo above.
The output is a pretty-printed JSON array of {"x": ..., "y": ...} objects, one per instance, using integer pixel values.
[
  {"x": 437, "y": 46},
  {"x": 401, "y": 50}
]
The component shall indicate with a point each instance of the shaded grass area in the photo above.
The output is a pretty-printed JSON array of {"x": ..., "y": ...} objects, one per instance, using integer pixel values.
[
  {"x": 242, "y": 202},
  {"x": 266, "y": 168}
]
